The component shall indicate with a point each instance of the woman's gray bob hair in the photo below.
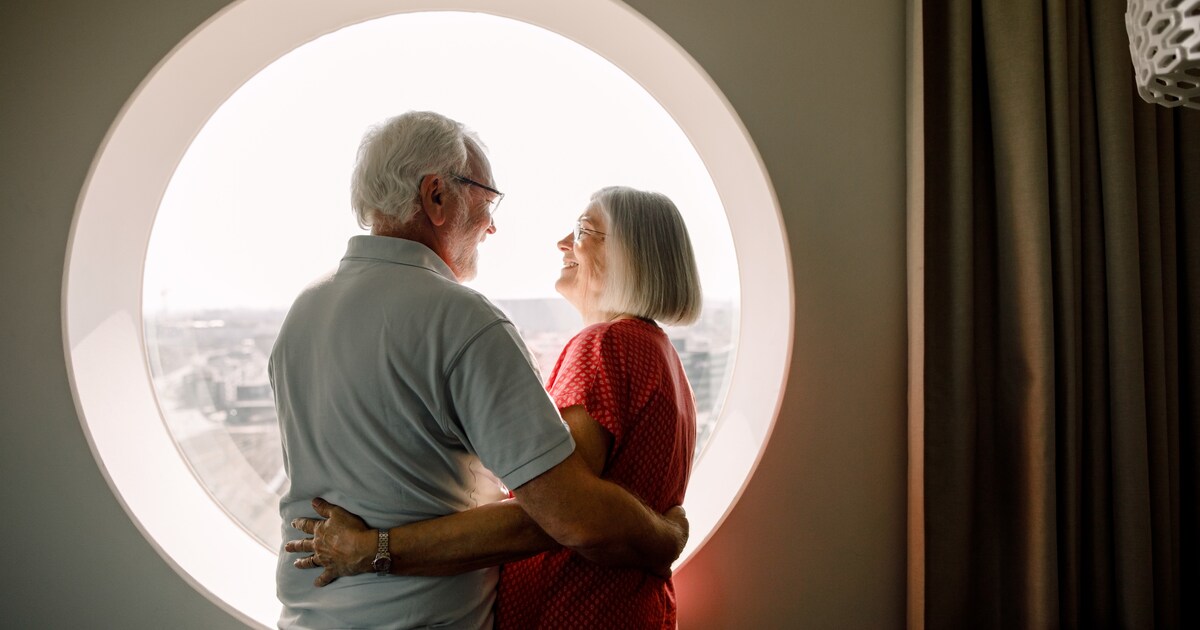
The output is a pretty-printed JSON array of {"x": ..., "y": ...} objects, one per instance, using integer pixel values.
[
  {"x": 651, "y": 266},
  {"x": 396, "y": 153}
]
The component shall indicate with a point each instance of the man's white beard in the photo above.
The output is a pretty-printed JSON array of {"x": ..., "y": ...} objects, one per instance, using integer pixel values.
[
  {"x": 466, "y": 262},
  {"x": 465, "y": 255}
]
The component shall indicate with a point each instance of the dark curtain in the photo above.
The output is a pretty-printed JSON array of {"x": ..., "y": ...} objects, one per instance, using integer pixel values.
[{"x": 1057, "y": 295}]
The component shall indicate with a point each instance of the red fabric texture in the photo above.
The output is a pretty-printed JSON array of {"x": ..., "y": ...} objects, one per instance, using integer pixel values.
[{"x": 629, "y": 378}]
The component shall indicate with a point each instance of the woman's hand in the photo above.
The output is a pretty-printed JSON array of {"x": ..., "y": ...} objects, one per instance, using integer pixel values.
[{"x": 341, "y": 543}]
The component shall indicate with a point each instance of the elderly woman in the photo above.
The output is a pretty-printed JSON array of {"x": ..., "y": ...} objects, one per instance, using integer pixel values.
[{"x": 621, "y": 388}]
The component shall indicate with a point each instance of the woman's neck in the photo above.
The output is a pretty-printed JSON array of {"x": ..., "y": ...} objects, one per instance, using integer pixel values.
[
  {"x": 591, "y": 313},
  {"x": 602, "y": 317}
]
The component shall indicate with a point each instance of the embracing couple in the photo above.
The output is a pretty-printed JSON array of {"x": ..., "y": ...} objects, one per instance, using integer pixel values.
[{"x": 398, "y": 390}]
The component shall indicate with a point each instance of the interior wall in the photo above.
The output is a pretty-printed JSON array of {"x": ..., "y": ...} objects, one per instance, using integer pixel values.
[{"x": 816, "y": 541}]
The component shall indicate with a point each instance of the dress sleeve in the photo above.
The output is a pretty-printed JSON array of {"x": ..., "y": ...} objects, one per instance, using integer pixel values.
[{"x": 592, "y": 373}]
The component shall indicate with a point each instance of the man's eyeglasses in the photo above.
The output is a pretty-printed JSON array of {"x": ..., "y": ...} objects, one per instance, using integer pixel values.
[
  {"x": 580, "y": 231},
  {"x": 494, "y": 204}
]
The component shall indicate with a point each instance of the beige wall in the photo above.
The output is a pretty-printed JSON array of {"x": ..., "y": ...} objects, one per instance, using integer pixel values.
[{"x": 818, "y": 538}]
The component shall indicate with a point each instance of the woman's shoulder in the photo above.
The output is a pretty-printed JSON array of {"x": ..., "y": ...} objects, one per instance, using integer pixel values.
[{"x": 617, "y": 334}]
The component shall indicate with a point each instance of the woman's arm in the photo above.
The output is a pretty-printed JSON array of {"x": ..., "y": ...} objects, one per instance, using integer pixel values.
[{"x": 465, "y": 541}]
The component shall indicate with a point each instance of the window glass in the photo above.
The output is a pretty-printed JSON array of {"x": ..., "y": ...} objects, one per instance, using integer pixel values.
[{"x": 259, "y": 206}]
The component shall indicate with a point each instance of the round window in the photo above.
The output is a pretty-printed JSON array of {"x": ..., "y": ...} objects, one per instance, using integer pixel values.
[{"x": 223, "y": 189}]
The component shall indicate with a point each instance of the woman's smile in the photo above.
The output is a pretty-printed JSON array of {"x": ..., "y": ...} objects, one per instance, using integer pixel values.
[{"x": 582, "y": 275}]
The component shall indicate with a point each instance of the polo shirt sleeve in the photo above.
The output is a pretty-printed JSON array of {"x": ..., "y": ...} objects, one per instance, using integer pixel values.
[{"x": 499, "y": 409}]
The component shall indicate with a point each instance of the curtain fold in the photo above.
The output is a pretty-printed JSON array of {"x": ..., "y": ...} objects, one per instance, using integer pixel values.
[{"x": 1057, "y": 298}]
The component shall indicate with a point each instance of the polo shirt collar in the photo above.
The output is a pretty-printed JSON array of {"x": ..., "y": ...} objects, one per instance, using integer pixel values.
[{"x": 397, "y": 250}]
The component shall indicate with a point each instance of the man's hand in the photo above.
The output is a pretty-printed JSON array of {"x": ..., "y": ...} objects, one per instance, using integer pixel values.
[
  {"x": 677, "y": 517},
  {"x": 600, "y": 520},
  {"x": 341, "y": 543}
]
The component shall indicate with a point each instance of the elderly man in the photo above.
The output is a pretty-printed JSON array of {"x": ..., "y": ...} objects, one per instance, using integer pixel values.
[{"x": 393, "y": 383}]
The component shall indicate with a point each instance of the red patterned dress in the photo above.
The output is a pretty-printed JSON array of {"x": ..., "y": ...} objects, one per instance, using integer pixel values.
[{"x": 629, "y": 378}]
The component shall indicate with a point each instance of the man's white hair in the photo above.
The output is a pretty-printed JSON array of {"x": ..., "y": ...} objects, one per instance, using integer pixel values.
[{"x": 396, "y": 154}]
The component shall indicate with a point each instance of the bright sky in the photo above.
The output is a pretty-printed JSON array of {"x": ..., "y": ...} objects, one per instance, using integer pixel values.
[{"x": 259, "y": 205}]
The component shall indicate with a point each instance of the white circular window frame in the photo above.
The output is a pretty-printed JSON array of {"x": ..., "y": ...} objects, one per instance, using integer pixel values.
[{"x": 102, "y": 284}]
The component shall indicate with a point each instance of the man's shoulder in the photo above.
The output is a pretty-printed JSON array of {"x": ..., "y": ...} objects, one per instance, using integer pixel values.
[
  {"x": 470, "y": 304},
  {"x": 416, "y": 286}
]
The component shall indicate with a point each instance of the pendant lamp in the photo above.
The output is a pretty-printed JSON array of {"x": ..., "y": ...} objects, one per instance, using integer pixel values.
[{"x": 1164, "y": 41}]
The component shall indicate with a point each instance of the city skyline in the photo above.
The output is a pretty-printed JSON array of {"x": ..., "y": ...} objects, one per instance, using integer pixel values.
[{"x": 209, "y": 370}]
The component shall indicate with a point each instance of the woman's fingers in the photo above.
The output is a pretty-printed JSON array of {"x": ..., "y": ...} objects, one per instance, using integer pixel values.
[
  {"x": 312, "y": 562},
  {"x": 333, "y": 544},
  {"x": 307, "y": 525},
  {"x": 300, "y": 546},
  {"x": 322, "y": 506},
  {"x": 307, "y": 562},
  {"x": 325, "y": 578}
]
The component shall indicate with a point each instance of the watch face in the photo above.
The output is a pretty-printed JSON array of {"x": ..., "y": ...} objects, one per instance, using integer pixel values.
[{"x": 382, "y": 563}]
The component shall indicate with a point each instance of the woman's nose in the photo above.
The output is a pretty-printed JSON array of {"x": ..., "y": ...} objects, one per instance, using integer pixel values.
[
  {"x": 491, "y": 225},
  {"x": 566, "y": 243}
]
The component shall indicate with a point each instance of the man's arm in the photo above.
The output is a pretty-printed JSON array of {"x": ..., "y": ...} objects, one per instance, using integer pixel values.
[
  {"x": 596, "y": 518},
  {"x": 494, "y": 378},
  {"x": 600, "y": 520}
]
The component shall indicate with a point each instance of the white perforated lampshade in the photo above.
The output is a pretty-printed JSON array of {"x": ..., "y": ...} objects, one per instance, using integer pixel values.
[{"x": 1164, "y": 40}]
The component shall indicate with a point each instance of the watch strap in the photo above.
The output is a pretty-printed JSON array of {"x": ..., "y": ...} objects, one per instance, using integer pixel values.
[{"x": 383, "y": 555}]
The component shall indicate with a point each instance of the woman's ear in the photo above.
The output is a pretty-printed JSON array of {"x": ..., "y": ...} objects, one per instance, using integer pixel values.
[{"x": 433, "y": 197}]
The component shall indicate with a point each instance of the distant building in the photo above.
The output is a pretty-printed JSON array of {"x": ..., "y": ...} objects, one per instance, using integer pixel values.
[{"x": 209, "y": 369}]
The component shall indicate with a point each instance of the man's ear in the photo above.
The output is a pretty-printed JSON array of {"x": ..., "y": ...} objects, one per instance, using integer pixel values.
[{"x": 433, "y": 197}]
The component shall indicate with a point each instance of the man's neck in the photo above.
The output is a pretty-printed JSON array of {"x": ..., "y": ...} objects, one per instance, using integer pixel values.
[
  {"x": 418, "y": 232},
  {"x": 407, "y": 231}
]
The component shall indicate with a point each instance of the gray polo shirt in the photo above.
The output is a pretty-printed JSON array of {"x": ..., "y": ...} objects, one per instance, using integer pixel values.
[{"x": 393, "y": 382}]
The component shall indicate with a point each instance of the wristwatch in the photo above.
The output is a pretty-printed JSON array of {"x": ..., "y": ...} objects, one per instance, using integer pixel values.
[{"x": 383, "y": 556}]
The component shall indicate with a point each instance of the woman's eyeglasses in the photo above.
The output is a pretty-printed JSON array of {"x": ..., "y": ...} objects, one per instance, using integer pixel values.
[{"x": 580, "y": 231}]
